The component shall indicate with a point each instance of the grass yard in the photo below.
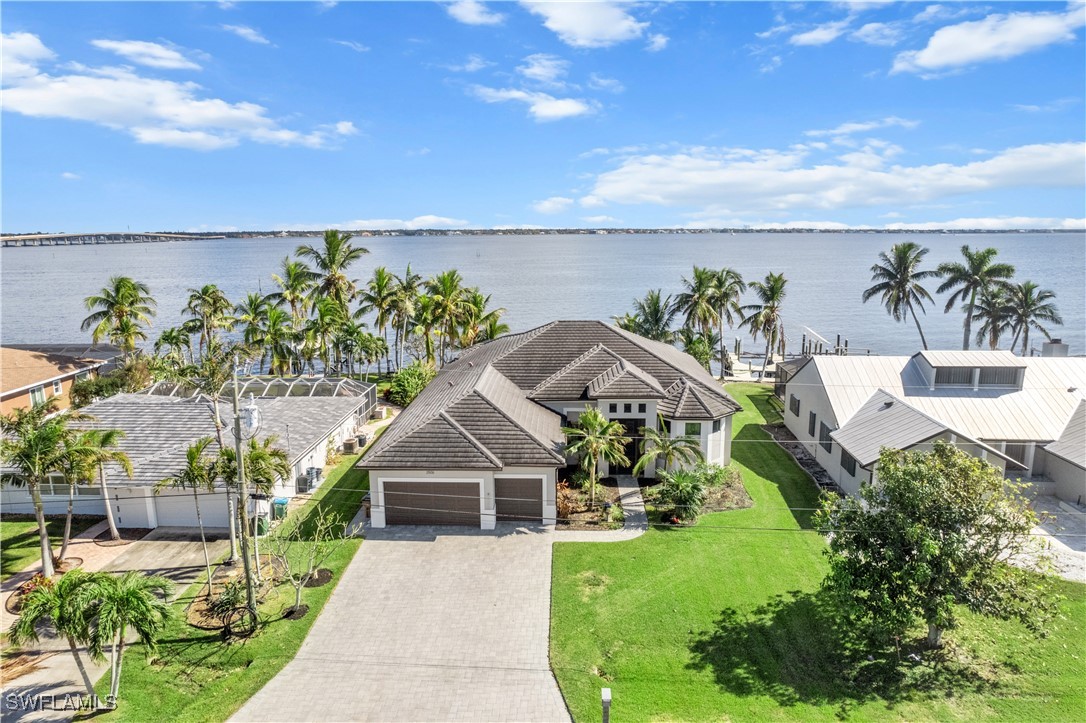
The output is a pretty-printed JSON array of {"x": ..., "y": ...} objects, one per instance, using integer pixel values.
[
  {"x": 722, "y": 621},
  {"x": 198, "y": 677},
  {"x": 19, "y": 541}
]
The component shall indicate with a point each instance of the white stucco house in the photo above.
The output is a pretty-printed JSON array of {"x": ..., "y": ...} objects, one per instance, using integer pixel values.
[
  {"x": 1006, "y": 409},
  {"x": 483, "y": 442}
]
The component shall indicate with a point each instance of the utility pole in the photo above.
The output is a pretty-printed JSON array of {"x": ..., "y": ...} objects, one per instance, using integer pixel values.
[{"x": 250, "y": 594}]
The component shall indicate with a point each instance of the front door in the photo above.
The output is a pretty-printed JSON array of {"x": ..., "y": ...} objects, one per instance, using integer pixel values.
[{"x": 633, "y": 447}]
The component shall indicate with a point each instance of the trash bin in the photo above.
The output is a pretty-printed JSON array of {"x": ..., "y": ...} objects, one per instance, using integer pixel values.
[
  {"x": 362, "y": 440},
  {"x": 279, "y": 508},
  {"x": 260, "y": 524}
]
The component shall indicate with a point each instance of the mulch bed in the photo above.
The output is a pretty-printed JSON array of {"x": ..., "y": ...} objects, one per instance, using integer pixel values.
[
  {"x": 296, "y": 613},
  {"x": 732, "y": 495},
  {"x": 802, "y": 456},
  {"x": 320, "y": 578},
  {"x": 197, "y": 614},
  {"x": 14, "y": 603},
  {"x": 582, "y": 518},
  {"x": 128, "y": 536}
]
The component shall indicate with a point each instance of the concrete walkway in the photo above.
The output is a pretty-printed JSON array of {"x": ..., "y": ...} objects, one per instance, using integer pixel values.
[{"x": 436, "y": 624}]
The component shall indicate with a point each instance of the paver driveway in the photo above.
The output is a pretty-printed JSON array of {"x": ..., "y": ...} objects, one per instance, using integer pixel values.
[{"x": 428, "y": 624}]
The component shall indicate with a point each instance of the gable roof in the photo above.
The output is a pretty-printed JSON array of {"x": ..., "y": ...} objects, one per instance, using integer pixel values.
[
  {"x": 1037, "y": 412},
  {"x": 1071, "y": 444},
  {"x": 22, "y": 369},
  {"x": 686, "y": 401},
  {"x": 624, "y": 381}
]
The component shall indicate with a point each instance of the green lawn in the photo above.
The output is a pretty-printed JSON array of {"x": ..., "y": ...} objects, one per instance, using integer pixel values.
[
  {"x": 723, "y": 622},
  {"x": 198, "y": 677},
  {"x": 19, "y": 541}
]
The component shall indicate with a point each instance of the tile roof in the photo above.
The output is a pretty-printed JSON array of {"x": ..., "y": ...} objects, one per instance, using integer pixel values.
[
  {"x": 24, "y": 368},
  {"x": 1038, "y": 412},
  {"x": 488, "y": 391},
  {"x": 687, "y": 401},
  {"x": 1071, "y": 444}
]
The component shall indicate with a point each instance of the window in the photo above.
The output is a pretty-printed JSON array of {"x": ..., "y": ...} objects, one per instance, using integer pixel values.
[
  {"x": 793, "y": 404},
  {"x": 627, "y": 408},
  {"x": 999, "y": 377},
  {"x": 667, "y": 426},
  {"x": 848, "y": 462},
  {"x": 954, "y": 377},
  {"x": 37, "y": 396},
  {"x": 716, "y": 425},
  {"x": 612, "y": 408},
  {"x": 811, "y": 424},
  {"x": 641, "y": 408},
  {"x": 824, "y": 437},
  {"x": 57, "y": 388},
  {"x": 82, "y": 376},
  {"x": 693, "y": 429}
]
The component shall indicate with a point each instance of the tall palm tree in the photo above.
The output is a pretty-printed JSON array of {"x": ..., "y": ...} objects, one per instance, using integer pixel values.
[
  {"x": 898, "y": 277},
  {"x": 657, "y": 444},
  {"x": 279, "y": 341},
  {"x": 199, "y": 474},
  {"x": 210, "y": 310},
  {"x": 425, "y": 321},
  {"x": 379, "y": 297},
  {"x": 178, "y": 344},
  {"x": 403, "y": 309},
  {"x": 764, "y": 317},
  {"x": 728, "y": 286},
  {"x": 331, "y": 261},
  {"x": 968, "y": 279},
  {"x": 322, "y": 328},
  {"x": 652, "y": 317},
  {"x": 476, "y": 317},
  {"x": 252, "y": 315},
  {"x": 123, "y": 299},
  {"x": 127, "y": 333},
  {"x": 130, "y": 601},
  {"x": 1028, "y": 307},
  {"x": 595, "y": 438},
  {"x": 493, "y": 328},
  {"x": 697, "y": 302},
  {"x": 69, "y": 605},
  {"x": 698, "y": 344},
  {"x": 449, "y": 304},
  {"x": 295, "y": 281},
  {"x": 993, "y": 312},
  {"x": 85, "y": 452}
]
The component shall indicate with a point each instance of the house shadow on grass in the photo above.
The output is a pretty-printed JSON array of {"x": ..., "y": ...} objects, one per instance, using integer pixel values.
[
  {"x": 796, "y": 649},
  {"x": 755, "y": 449}
]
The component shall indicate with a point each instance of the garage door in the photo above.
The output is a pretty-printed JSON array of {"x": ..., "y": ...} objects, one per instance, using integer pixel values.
[
  {"x": 432, "y": 503},
  {"x": 177, "y": 509},
  {"x": 519, "y": 499}
]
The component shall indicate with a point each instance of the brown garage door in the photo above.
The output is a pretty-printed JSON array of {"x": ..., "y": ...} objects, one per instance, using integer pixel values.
[
  {"x": 432, "y": 503},
  {"x": 519, "y": 499}
]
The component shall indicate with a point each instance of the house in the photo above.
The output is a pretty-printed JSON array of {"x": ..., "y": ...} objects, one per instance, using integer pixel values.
[
  {"x": 993, "y": 404},
  {"x": 1065, "y": 459},
  {"x": 30, "y": 375},
  {"x": 305, "y": 416},
  {"x": 483, "y": 442}
]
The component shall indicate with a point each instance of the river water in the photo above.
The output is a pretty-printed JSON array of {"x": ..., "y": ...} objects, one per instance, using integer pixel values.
[{"x": 541, "y": 278}]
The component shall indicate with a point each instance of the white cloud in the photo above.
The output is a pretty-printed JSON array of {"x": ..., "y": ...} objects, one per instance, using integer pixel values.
[
  {"x": 786, "y": 180},
  {"x": 328, "y": 4},
  {"x": 589, "y": 24},
  {"x": 246, "y": 33},
  {"x": 473, "y": 12},
  {"x": 69, "y": 176},
  {"x": 1052, "y": 107},
  {"x": 416, "y": 152},
  {"x": 770, "y": 64},
  {"x": 545, "y": 69},
  {"x": 886, "y": 34},
  {"x": 994, "y": 223},
  {"x": 543, "y": 107},
  {"x": 599, "y": 219},
  {"x": 820, "y": 35},
  {"x": 353, "y": 45},
  {"x": 995, "y": 37},
  {"x": 473, "y": 64},
  {"x": 411, "y": 224},
  {"x": 657, "y": 42},
  {"x": 935, "y": 13},
  {"x": 142, "y": 52},
  {"x": 599, "y": 82},
  {"x": 151, "y": 110},
  {"x": 554, "y": 204},
  {"x": 852, "y": 127}
]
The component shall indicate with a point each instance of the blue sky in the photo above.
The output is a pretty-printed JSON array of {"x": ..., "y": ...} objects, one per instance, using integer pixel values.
[{"x": 204, "y": 116}]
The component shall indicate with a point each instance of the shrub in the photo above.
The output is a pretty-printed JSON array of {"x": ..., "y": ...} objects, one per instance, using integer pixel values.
[
  {"x": 579, "y": 479},
  {"x": 36, "y": 581},
  {"x": 685, "y": 490},
  {"x": 565, "y": 500},
  {"x": 713, "y": 475},
  {"x": 409, "y": 382}
]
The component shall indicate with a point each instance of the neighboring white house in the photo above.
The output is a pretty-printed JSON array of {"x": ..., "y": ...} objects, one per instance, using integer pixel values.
[
  {"x": 159, "y": 427},
  {"x": 1065, "y": 459},
  {"x": 992, "y": 404},
  {"x": 483, "y": 442}
]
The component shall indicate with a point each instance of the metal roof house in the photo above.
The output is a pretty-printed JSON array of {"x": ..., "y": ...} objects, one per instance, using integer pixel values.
[
  {"x": 159, "y": 428},
  {"x": 483, "y": 442},
  {"x": 993, "y": 404}
]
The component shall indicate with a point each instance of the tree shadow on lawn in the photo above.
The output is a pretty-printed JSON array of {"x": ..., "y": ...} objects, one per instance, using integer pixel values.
[
  {"x": 764, "y": 403},
  {"x": 755, "y": 449},
  {"x": 797, "y": 649}
]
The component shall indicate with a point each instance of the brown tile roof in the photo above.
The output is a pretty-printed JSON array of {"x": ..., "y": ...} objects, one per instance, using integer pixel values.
[{"x": 22, "y": 368}]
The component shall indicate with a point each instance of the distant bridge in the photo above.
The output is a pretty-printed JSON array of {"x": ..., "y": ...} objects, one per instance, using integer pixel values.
[{"x": 87, "y": 239}]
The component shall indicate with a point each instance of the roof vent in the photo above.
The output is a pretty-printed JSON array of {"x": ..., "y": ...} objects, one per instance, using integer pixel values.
[
  {"x": 887, "y": 405},
  {"x": 1072, "y": 389},
  {"x": 471, "y": 364},
  {"x": 450, "y": 383}
]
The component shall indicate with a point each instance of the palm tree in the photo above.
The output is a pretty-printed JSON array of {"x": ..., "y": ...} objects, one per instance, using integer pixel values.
[
  {"x": 252, "y": 314},
  {"x": 476, "y": 318},
  {"x": 403, "y": 309},
  {"x": 279, "y": 341},
  {"x": 124, "y": 299},
  {"x": 765, "y": 317},
  {"x": 125, "y": 334},
  {"x": 449, "y": 304},
  {"x": 425, "y": 321},
  {"x": 657, "y": 444},
  {"x": 210, "y": 310},
  {"x": 493, "y": 328},
  {"x": 178, "y": 342},
  {"x": 86, "y": 452},
  {"x": 728, "y": 286},
  {"x": 698, "y": 345},
  {"x": 968, "y": 279},
  {"x": 993, "y": 312},
  {"x": 132, "y": 600},
  {"x": 652, "y": 317},
  {"x": 379, "y": 297},
  {"x": 596, "y": 438},
  {"x": 295, "y": 285},
  {"x": 198, "y": 475},
  {"x": 327, "y": 319},
  {"x": 69, "y": 604},
  {"x": 331, "y": 262},
  {"x": 698, "y": 300},
  {"x": 898, "y": 277},
  {"x": 1028, "y": 307}
]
